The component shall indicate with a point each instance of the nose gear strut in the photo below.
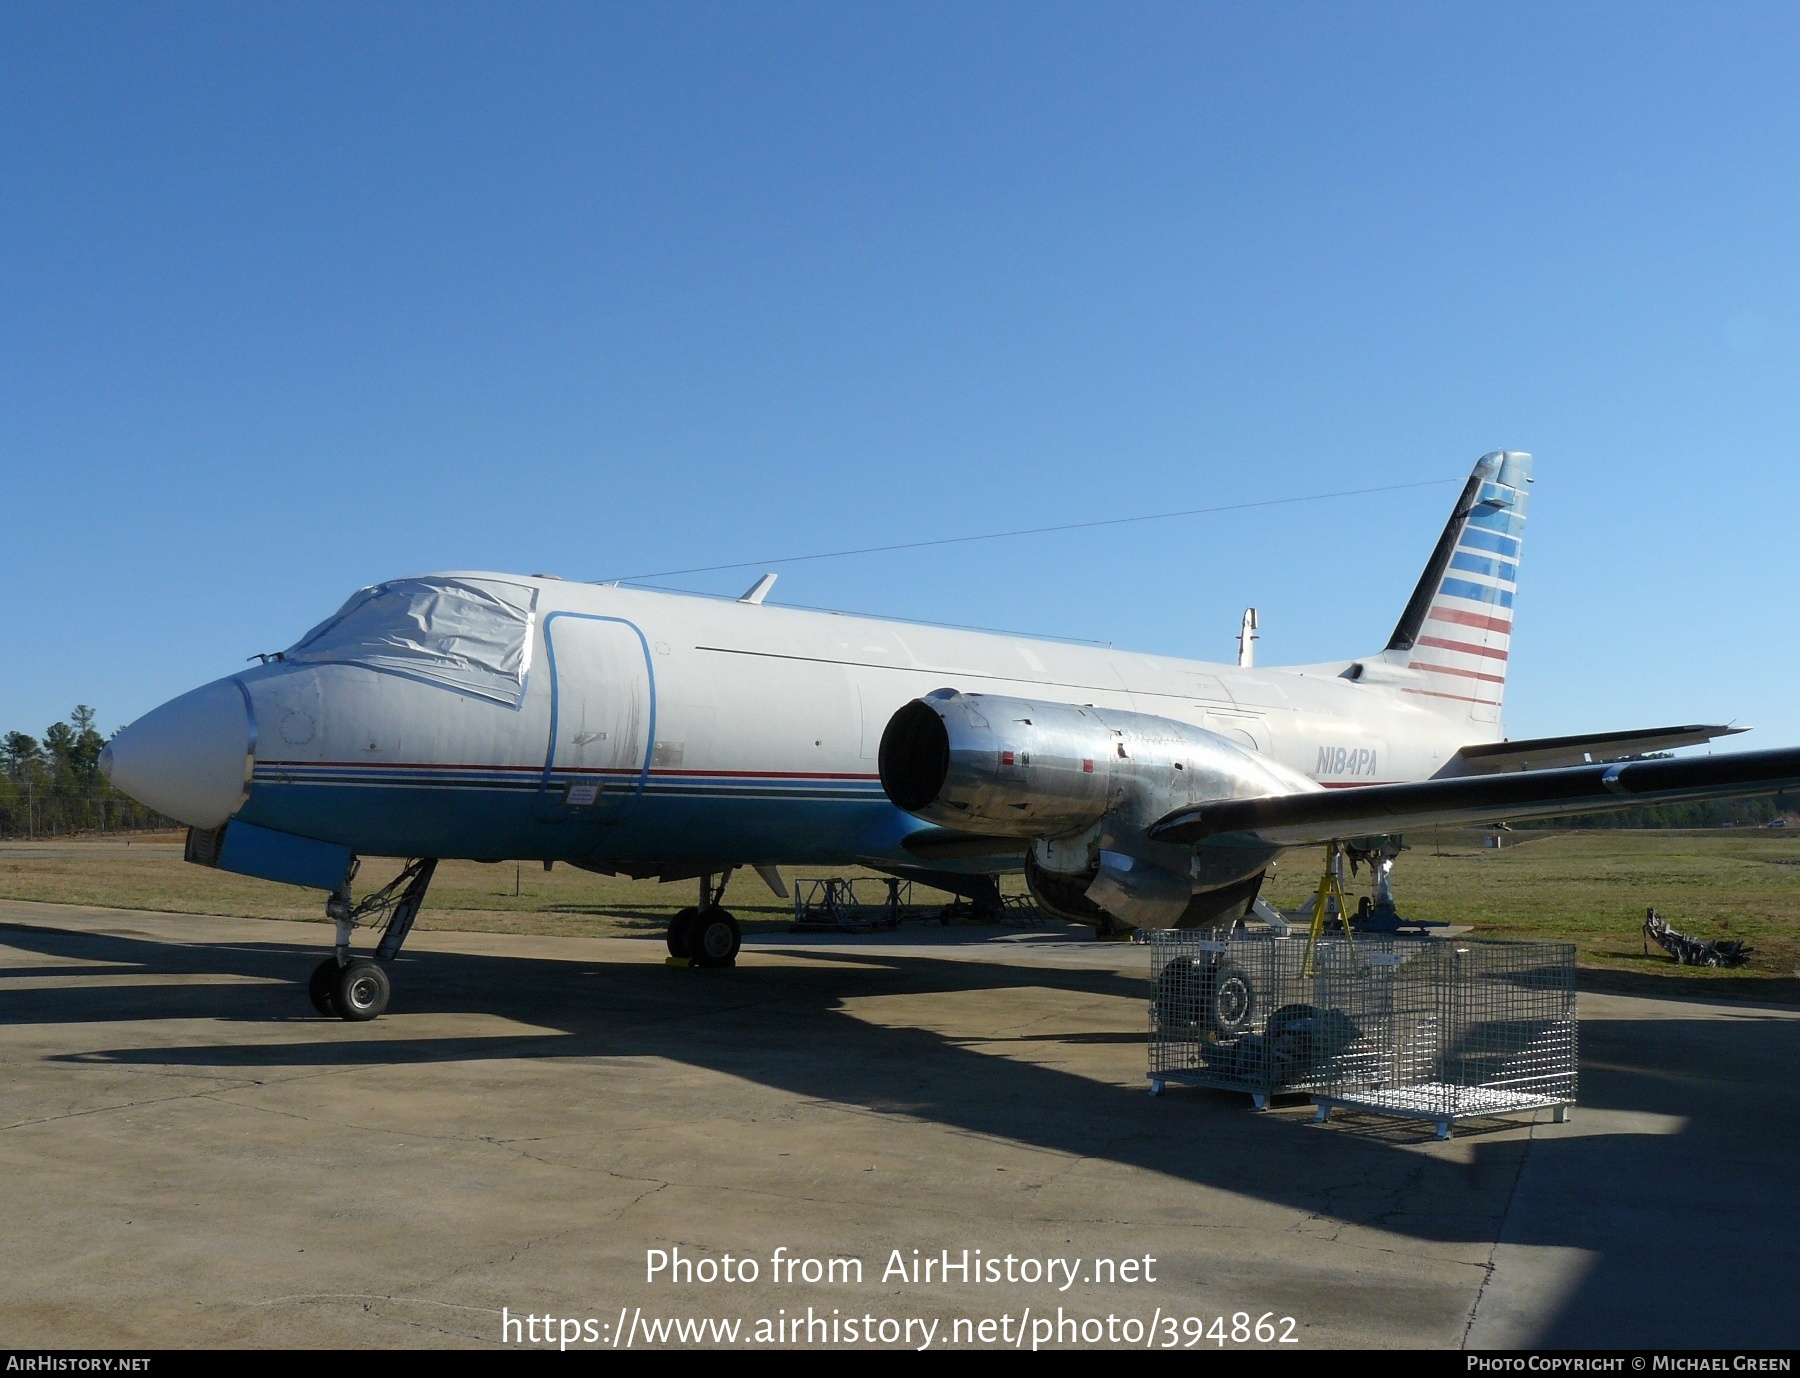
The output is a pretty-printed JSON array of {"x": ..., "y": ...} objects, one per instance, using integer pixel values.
[{"x": 356, "y": 988}]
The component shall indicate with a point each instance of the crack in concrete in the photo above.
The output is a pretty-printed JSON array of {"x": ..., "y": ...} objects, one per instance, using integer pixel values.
[
  {"x": 415, "y": 1133},
  {"x": 125, "y": 1105},
  {"x": 640, "y": 1198},
  {"x": 1487, "y": 1273},
  {"x": 1390, "y": 1220},
  {"x": 498, "y": 1259},
  {"x": 1074, "y": 1160}
]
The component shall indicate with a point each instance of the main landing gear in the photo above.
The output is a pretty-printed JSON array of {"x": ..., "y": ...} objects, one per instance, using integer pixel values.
[
  {"x": 356, "y": 988},
  {"x": 706, "y": 935}
]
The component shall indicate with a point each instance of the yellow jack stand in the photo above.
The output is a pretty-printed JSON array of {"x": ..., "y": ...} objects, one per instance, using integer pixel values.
[{"x": 1331, "y": 888}]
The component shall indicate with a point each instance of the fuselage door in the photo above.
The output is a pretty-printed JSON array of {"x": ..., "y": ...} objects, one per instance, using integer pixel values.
[{"x": 602, "y": 717}]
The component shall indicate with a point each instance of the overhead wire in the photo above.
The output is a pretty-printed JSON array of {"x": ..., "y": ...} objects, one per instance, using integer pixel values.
[{"x": 1034, "y": 530}]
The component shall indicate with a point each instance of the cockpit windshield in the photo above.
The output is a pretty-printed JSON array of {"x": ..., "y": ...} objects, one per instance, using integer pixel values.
[{"x": 473, "y": 635}]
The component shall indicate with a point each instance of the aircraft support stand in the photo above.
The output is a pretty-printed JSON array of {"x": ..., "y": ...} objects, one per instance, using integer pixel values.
[{"x": 1329, "y": 902}]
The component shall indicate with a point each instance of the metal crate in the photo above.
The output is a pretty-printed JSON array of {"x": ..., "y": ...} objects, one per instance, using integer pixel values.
[{"x": 1420, "y": 1027}]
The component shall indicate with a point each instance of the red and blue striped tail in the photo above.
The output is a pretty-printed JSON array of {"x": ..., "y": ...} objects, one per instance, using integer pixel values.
[{"x": 1457, "y": 627}]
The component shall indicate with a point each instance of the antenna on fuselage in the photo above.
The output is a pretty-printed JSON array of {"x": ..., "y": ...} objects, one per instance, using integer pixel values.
[
  {"x": 759, "y": 590},
  {"x": 1247, "y": 639}
]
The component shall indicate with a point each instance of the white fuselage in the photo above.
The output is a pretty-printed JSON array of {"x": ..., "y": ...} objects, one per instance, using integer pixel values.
[{"x": 745, "y": 733}]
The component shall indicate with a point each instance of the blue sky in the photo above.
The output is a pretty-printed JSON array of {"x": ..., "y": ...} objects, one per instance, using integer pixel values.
[{"x": 295, "y": 298}]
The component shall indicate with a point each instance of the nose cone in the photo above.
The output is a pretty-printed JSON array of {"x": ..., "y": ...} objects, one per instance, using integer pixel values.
[{"x": 190, "y": 758}]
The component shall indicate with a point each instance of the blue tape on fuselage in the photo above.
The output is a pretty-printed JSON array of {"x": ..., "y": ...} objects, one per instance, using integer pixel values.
[
  {"x": 1498, "y": 519},
  {"x": 1476, "y": 593},
  {"x": 1480, "y": 564},
  {"x": 1491, "y": 540}
]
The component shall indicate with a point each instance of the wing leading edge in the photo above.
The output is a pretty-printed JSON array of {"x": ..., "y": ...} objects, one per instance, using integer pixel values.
[
  {"x": 1291, "y": 819},
  {"x": 1594, "y": 748}
]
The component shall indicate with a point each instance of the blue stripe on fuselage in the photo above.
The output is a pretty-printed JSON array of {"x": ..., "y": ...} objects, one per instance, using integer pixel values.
[{"x": 530, "y": 780}]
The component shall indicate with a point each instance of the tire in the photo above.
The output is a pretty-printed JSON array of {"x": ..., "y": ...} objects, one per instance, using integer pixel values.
[
  {"x": 1180, "y": 991},
  {"x": 362, "y": 990},
  {"x": 1291, "y": 1035},
  {"x": 321, "y": 987},
  {"x": 1229, "y": 1006},
  {"x": 1293, "y": 1019},
  {"x": 1305, "y": 1038},
  {"x": 713, "y": 939},
  {"x": 678, "y": 931}
]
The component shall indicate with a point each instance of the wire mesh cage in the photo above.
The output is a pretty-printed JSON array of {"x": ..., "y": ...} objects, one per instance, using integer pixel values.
[{"x": 1428, "y": 1027}]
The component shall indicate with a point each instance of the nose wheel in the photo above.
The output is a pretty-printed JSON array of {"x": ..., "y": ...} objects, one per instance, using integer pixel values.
[
  {"x": 356, "y": 992},
  {"x": 322, "y": 988}
]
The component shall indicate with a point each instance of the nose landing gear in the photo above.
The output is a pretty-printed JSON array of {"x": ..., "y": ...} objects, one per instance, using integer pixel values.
[{"x": 356, "y": 988}]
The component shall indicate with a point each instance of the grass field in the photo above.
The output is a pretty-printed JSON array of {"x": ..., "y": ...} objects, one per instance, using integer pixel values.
[
  {"x": 465, "y": 895},
  {"x": 1590, "y": 888}
]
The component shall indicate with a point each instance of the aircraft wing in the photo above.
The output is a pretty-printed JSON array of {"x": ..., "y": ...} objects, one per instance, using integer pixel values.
[
  {"x": 1326, "y": 815},
  {"x": 1545, "y": 753}
]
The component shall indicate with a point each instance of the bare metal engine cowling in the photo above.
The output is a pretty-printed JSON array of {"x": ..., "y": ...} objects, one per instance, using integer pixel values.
[{"x": 1083, "y": 784}]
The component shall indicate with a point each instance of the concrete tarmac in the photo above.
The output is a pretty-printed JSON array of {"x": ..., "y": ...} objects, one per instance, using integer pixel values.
[{"x": 191, "y": 1156}]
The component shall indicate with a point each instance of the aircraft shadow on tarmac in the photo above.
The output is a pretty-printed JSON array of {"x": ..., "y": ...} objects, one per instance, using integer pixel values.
[{"x": 1695, "y": 1232}]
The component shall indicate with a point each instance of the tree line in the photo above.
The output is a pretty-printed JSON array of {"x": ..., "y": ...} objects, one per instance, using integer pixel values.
[
  {"x": 1703, "y": 813},
  {"x": 52, "y": 786}
]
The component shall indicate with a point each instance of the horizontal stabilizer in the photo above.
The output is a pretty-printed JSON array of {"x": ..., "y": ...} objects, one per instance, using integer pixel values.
[
  {"x": 947, "y": 844},
  {"x": 1594, "y": 748},
  {"x": 1328, "y": 815}
]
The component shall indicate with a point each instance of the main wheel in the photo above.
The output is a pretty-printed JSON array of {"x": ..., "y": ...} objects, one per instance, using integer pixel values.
[
  {"x": 362, "y": 990},
  {"x": 322, "y": 985},
  {"x": 713, "y": 938},
  {"x": 678, "y": 931},
  {"x": 1229, "y": 1004}
]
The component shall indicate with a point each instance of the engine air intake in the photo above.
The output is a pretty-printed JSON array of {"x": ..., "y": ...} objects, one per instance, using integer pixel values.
[{"x": 914, "y": 756}]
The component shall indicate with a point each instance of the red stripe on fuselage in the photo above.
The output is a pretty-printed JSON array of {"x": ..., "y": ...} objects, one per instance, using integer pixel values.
[
  {"x": 1467, "y": 648},
  {"x": 1455, "y": 670},
  {"x": 1460, "y": 698}
]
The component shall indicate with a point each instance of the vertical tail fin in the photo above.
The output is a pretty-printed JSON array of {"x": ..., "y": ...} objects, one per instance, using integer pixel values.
[{"x": 1457, "y": 626}]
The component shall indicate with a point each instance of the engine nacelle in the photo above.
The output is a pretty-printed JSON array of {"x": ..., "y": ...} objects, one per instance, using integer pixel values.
[
  {"x": 1021, "y": 768},
  {"x": 1084, "y": 783}
]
